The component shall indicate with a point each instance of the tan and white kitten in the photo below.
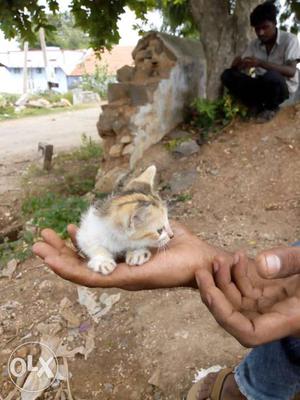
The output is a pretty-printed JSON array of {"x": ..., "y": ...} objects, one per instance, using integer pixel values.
[{"x": 126, "y": 224}]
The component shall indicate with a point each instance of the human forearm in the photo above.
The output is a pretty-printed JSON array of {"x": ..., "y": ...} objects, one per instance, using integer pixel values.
[{"x": 286, "y": 70}]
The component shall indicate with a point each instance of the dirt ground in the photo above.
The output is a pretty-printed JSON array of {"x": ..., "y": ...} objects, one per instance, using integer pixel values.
[{"x": 151, "y": 343}]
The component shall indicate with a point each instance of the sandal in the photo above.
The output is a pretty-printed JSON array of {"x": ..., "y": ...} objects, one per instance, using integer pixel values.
[{"x": 216, "y": 389}]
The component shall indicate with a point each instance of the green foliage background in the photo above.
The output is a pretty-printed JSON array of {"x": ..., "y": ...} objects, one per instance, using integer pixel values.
[{"x": 99, "y": 18}]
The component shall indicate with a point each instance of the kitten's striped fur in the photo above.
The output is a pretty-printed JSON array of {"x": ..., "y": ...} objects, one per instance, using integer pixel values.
[{"x": 126, "y": 224}]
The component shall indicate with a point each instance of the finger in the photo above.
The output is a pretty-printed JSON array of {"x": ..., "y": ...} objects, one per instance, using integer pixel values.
[
  {"x": 279, "y": 262},
  {"x": 251, "y": 329},
  {"x": 42, "y": 250},
  {"x": 242, "y": 278},
  {"x": 222, "y": 274},
  {"x": 72, "y": 231},
  {"x": 224, "y": 313},
  {"x": 75, "y": 270},
  {"x": 52, "y": 238}
]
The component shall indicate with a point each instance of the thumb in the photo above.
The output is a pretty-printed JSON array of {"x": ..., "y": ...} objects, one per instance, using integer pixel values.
[{"x": 279, "y": 262}]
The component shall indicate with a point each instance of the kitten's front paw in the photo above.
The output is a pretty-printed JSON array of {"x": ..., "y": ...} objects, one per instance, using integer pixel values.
[
  {"x": 102, "y": 264},
  {"x": 137, "y": 257}
]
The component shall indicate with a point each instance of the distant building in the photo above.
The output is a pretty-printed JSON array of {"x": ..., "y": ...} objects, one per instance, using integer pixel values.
[
  {"x": 115, "y": 59},
  {"x": 67, "y": 67}
]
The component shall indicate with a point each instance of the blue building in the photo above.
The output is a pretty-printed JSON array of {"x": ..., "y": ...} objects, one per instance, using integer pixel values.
[{"x": 60, "y": 65}]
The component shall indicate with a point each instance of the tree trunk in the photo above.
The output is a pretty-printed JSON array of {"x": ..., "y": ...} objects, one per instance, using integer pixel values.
[{"x": 224, "y": 35}]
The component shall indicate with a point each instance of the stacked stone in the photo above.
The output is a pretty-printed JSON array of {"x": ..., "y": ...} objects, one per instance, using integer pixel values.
[{"x": 135, "y": 88}]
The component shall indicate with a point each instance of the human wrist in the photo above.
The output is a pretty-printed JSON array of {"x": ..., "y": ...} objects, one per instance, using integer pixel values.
[{"x": 207, "y": 254}]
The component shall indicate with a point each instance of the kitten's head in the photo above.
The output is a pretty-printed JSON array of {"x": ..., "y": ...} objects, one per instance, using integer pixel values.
[{"x": 141, "y": 213}]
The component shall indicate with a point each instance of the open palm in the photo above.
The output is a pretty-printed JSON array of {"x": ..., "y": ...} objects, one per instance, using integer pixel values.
[
  {"x": 174, "y": 266},
  {"x": 252, "y": 309}
]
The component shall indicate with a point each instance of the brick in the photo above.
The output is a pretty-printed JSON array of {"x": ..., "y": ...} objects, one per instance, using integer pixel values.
[
  {"x": 125, "y": 74},
  {"x": 116, "y": 91}
]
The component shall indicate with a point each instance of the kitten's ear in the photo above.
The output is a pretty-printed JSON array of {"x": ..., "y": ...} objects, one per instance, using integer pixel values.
[
  {"x": 144, "y": 182},
  {"x": 138, "y": 217}
]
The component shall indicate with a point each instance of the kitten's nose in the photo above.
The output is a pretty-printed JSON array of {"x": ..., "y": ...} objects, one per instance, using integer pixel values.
[{"x": 169, "y": 231}]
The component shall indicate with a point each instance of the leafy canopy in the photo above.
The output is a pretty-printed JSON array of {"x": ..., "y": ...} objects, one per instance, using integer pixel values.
[
  {"x": 99, "y": 18},
  {"x": 65, "y": 35}
]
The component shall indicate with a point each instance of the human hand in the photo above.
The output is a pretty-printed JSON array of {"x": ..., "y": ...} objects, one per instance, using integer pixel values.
[
  {"x": 172, "y": 267},
  {"x": 250, "y": 62},
  {"x": 237, "y": 62},
  {"x": 252, "y": 309}
]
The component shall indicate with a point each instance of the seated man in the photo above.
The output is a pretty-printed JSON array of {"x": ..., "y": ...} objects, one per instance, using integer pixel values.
[{"x": 266, "y": 74}]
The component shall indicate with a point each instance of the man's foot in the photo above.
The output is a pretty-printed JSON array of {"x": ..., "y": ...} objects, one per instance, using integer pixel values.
[
  {"x": 230, "y": 389},
  {"x": 265, "y": 116}
]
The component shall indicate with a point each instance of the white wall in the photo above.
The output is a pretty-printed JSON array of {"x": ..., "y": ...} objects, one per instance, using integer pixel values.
[{"x": 12, "y": 81}]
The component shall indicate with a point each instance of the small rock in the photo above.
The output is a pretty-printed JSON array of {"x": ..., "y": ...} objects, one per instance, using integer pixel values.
[
  {"x": 187, "y": 148},
  {"x": 178, "y": 133},
  {"x": 128, "y": 149},
  {"x": 39, "y": 103},
  {"x": 126, "y": 139},
  {"x": 181, "y": 181},
  {"x": 116, "y": 150},
  {"x": 46, "y": 285},
  {"x": 65, "y": 102},
  {"x": 108, "y": 388},
  {"x": 214, "y": 172}
]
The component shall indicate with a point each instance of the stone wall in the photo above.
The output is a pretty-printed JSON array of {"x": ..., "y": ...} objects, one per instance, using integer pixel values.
[{"x": 150, "y": 97}]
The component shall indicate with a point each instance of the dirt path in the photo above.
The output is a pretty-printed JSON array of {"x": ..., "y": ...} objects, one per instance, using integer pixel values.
[
  {"x": 150, "y": 344},
  {"x": 19, "y": 138}
]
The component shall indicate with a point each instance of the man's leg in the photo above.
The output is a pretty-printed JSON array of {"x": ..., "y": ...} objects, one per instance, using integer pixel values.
[
  {"x": 273, "y": 90},
  {"x": 267, "y": 373},
  {"x": 242, "y": 86}
]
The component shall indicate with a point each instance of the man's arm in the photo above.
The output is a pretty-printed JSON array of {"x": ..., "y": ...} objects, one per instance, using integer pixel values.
[
  {"x": 288, "y": 70},
  {"x": 172, "y": 267}
]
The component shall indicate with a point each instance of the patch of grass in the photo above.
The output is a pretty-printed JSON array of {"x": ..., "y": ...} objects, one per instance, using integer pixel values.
[
  {"x": 44, "y": 211},
  {"x": 183, "y": 197},
  {"x": 213, "y": 116},
  {"x": 53, "y": 96},
  {"x": 54, "y": 198},
  {"x": 173, "y": 143},
  {"x": 72, "y": 173},
  {"x": 19, "y": 249},
  {"x": 53, "y": 211},
  {"x": 9, "y": 113},
  {"x": 88, "y": 149}
]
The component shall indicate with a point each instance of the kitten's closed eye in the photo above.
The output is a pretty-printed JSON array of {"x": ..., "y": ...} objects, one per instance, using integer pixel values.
[{"x": 160, "y": 231}]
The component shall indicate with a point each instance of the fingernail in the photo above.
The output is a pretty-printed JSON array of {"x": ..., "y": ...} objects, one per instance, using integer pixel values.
[
  {"x": 197, "y": 279},
  {"x": 215, "y": 267},
  {"x": 208, "y": 300},
  {"x": 236, "y": 258},
  {"x": 273, "y": 263}
]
